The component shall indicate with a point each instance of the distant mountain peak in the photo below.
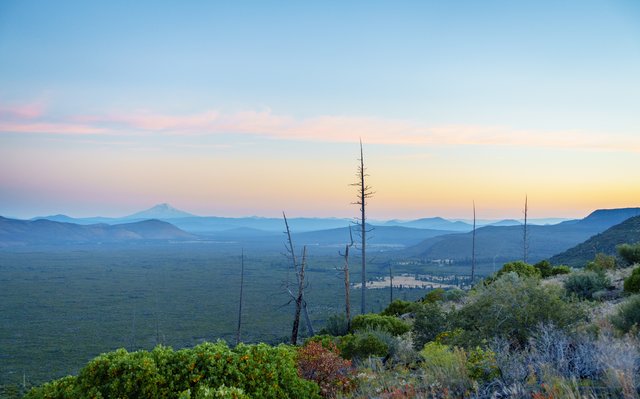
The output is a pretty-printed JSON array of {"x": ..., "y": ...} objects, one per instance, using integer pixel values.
[{"x": 160, "y": 211}]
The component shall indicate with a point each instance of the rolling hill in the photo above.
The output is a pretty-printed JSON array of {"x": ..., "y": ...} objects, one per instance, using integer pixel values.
[
  {"x": 45, "y": 232},
  {"x": 504, "y": 243},
  {"x": 605, "y": 242}
]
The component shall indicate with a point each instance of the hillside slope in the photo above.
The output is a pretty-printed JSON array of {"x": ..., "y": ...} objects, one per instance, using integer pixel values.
[
  {"x": 605, "y": 242},
  {"x": 45, "y": 232}
]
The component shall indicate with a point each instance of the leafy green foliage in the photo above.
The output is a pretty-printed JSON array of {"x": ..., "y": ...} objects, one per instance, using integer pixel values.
[
  {"x": 222, "y": 392},
  {"x": 632, "y": 283},
  {"x": 482, "y": 364},
  {"x": 601, "y": 263},
  {"x": 585, "y": 284},
  {"x": 362, "y": 345},
  {"x": 399, "y": 307},
  {"x": 629, "y": 252},
  {"x": 544, "y": 267},
  {"x": 509, "y": 308},
  {"x": 325, "y": 367},
  {"x": 390, "y": 324},
  {"x": 628, "y": 315},
  {"x": 446, "y": 366},
  {"x": 562, "y": 269},
  {"x": 435, "y": 295},
  {"x": 430, "y": 321},
  {"x": 520, "y": 268},
  {"x": 256, "y": 370}
]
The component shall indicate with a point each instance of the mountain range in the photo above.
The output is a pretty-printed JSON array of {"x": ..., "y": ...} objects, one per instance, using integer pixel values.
[{"x": 425, "y": 239}]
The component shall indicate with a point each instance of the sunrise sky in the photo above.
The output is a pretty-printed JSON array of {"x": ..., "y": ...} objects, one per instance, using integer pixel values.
[{"x": 251, "y": 108}]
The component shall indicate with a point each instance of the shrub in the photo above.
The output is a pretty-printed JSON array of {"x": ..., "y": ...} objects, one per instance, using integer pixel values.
[
  {"x": 629, "y": 252},
  {"x": 562, "y": 269},
  {"x": 362, "y": 345},
  {"x": 482, "y": 365},
  {"x": 222, "y": 392},
  {"x": 446, "y": 366},
  {"x": 454, "y": 295},
  {"x": 399, "y": 307},
  {"x": 601, "y": 263},
  {"x": 520, "y": 268},
  {"x": 326, "y": 368},
  {"x": 632, "y": 283},
  {"x": 336, "y": 325},
  {"x": 433, "y": 296},
  {"x": 628, "y": 315},
  {"x": 391, "y": 324},
  {"x": 585, "y": 284},
  {"x": 544, "y": 267},
  {"x": 509, "y": 307},
  {"x": 430, "y": 321},
  {"x": 257, "y": 370}
]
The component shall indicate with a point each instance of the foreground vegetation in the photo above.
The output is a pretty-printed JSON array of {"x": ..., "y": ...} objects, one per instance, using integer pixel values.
[{"x": 573, "y": 334}]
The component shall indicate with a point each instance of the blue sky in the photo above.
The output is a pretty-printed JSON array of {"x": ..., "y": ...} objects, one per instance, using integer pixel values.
[{"x": 437, "y": 91}]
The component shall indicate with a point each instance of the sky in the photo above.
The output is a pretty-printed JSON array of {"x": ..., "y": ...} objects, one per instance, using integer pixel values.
[{"x": 250, "y": 108}]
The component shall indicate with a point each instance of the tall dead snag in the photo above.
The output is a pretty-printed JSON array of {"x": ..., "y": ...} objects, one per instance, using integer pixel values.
[
  {"x": 347, "y": 284},
  {"x": 525, "y": 243},
  {"x": 294, "y": 261},
  {"x": 473, "y": 246},
  {"x": 364, "y": 193},
  {"x": 299, "y": 298},
  {"x": 390, "y": 284},
  {"x": 240, "y": 305}
]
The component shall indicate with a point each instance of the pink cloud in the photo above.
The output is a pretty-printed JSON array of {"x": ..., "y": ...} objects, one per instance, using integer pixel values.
[
  {"x": 22, "y": 111},
  {"x": 327, "y": 128}
]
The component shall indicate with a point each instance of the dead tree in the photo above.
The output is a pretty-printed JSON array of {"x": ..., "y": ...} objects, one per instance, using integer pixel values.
[
  {"x": 390, "y": 283},
  {"x": 364, "y": 193},
  {"x": 240, "y": 305},
  {"x": 347, "y": 284},
  {"x": 299, "y": 298},
  {"x": 294, "y": 261},
  {"x": 525, "y": 243},
  {"x": 473, "y": 246}
]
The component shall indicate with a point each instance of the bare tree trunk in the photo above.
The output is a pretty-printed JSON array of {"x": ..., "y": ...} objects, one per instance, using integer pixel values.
[
  {"x": 390, "y": 284},
  {"x": 347, "y": 287},
  {"x": 292, "y": 253},
  {"x": 347, "y": 284},
  {"x": 525, "y": 245},
  {"x": 299, "y": 298},
  {"x": 240, "y": 305},
  {"x": 473, "y": 246},
  {"x": 364, "y": 192}
]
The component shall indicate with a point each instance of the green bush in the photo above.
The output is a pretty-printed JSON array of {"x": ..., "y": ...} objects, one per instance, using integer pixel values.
[
  {"x": 629, "y": 252},
  {"x": 632, "y": 283},
  {"x": 601, "y": 263},
  {"x": 544, "y": 267},
  {"x": 482, "y": 364},
  {"x": 336, "y": 325},
  {"x": 399, "y": 307},
  {"x": 447, "y": 367},
  {"x": 585, "y": 284},
  {"x": 430, "y": 321},
  {"x": 362, "y": 345},
  {"x": 390, "y": 324},
  {"x": 628, "y": 315},
  {"x": 435, "y": 295},
  {"x": 256, "y": 370},
  {"x": 510, "y": 307},
  {"x": 562, "y": 269},
  {"x": 222, "y": 392},
  {"x": 520, "y": 268}
]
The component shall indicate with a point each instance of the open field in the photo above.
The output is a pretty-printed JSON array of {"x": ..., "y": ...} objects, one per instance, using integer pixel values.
[{"x": 61, "y": 307}]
